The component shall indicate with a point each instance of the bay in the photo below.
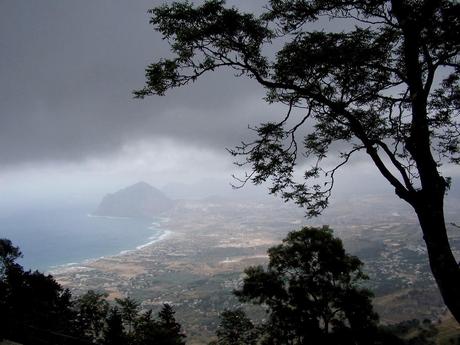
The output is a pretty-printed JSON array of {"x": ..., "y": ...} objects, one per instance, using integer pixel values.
[{"x": 52, "y": 236}]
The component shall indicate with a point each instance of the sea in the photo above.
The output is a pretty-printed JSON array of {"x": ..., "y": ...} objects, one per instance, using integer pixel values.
[{"x": 53, "y": 237}]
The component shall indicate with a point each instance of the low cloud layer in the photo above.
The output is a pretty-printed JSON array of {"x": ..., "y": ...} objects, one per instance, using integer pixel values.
[
  {"x": 68, "y": 70},
  {"x": 67, "y": 113}
]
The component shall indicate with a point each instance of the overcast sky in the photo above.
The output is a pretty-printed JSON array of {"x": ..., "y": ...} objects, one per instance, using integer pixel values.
[
  {"x": 68, "y": 69},
  {"x": 69, "y": 124}
]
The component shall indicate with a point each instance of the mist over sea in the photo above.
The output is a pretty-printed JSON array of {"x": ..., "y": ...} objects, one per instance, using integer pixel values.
[{"x": 50, "y": 236}]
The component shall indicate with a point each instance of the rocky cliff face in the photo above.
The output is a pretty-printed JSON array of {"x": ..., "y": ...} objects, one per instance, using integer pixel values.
[{"x": 140, "y": 200}]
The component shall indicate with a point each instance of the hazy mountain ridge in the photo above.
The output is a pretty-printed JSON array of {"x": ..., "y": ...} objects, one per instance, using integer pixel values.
[{"x": 140, "y": 200}]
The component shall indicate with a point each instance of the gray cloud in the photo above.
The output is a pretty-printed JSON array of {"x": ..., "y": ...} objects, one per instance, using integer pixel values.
[
  {"x": 68, "y": 69},
  {"x": 67, "y": 72}
]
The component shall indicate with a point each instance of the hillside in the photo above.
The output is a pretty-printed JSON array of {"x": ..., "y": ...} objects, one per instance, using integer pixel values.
[{"x": 140, "y": 200}]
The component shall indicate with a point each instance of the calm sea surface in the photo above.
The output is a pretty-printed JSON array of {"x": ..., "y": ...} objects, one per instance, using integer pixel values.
[{"x": 53, "y": 236}]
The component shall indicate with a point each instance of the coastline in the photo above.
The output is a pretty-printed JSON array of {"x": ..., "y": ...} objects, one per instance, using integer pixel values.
[
  {"x": 195, "y": 267},
  {"x": 165, "y": 234},
  {"x": 82, "y": 265}
]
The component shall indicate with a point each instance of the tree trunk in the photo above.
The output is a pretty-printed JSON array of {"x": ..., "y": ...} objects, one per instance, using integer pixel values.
[
  {"x": 444, "y": 267},
  {"x": 429, "y": 201}
]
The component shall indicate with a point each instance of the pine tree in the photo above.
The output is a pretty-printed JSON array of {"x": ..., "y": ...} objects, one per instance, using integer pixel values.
[
  {"x": 129, "y": 310},
  {"x": 171, "y": 329},
  {"x": 113, "y": 332}
]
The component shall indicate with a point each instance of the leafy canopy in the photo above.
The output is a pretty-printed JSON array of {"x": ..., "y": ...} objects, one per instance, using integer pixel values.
[
  {"x": 236, "y": 328},
  {"x": 312, "y": 292},
  {"x": 383, "y": 79}
]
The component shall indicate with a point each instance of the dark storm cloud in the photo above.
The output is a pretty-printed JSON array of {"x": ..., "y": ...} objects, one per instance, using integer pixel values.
[{"x": 67, "y": 71}]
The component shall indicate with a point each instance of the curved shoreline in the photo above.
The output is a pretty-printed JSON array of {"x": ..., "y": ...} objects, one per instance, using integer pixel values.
[
  {"x": 81, "y": 265},
  {"x": 162, "y": 236}
]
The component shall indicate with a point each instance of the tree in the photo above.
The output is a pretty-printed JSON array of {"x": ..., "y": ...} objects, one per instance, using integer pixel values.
[
  {"x": 92, "y": 309},
  {"x": 129, "y": 311},
  {"x": 311, "y": 289},
  {"x": 236, "y": 328},
  {"x": 33, "y": 306},
  {"x": 171, "y": 328},
  {"x": 388, "y": 85},
  {"x": 145, "y": 329},
  {"x": 8, "y": 255},
  {"x": 113, "y": 332},
  {"x": 163, "y": 331}
]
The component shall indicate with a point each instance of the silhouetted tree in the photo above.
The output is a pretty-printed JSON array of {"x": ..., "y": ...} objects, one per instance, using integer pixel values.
[
  {"x": 312, "y": 292},
  {"x": 30, "y": 302},
  {"x": 35, "y": 309},
  {"x": 145, "y": 329},
  {"x": 388, "y": 84},
  {"x": 164, "y": 331},
  {"x": 129, "y": 311},
  {"x": 92, "y": 310},
  {"x": 8, "y": 255},
  {"x": 172, "y": 329},
  {"x": 236, "y": 328},
  {"x": 113, "y": 332}
]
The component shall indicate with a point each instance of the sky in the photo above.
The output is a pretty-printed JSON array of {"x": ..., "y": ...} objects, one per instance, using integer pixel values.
[
  {"x": 69, "y": 126},
  {"x": 67, "y": 115}
]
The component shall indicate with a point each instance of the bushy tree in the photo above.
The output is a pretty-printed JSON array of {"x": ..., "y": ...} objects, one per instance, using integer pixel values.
[
  {"x": 92, "y": 309},
  {"x": 30, "y": 302},
  {"x": 382, "y": 77},
  {"x": 236, "y": 328},
  {"x": 8, "y": 255},
  {"x": 312, "y": 292}
]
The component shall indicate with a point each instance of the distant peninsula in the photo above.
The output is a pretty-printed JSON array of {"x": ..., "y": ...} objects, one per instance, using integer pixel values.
[{"x": 140, "y": 200}]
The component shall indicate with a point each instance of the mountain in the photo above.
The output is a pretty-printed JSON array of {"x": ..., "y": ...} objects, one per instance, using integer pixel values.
[{"x": 140, "y": 200}]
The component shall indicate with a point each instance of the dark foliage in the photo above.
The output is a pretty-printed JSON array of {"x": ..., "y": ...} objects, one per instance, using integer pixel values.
[
  {"x": 8, "y": 255},
  {"x": 387, "y": 84},
  {"x": 36, "y": 310},
  {"x": 312, "y": 293},
  {"x": 129, "y": 312},
  {"x": 114, "y": 331},
  {"x": 170, "y": 327},
  {"x": 416, "y": 332},
  {"x": 236, "y": 328},
  {"x": 310, "y": 289},
  {"x": 162, "y": 331},
  {"x": 92, "y": 310},
  {"x": 33, "y": 307}
]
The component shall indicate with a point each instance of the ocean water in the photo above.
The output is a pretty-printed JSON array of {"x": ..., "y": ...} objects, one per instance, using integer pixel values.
[{"x": 52, "y": 236}]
